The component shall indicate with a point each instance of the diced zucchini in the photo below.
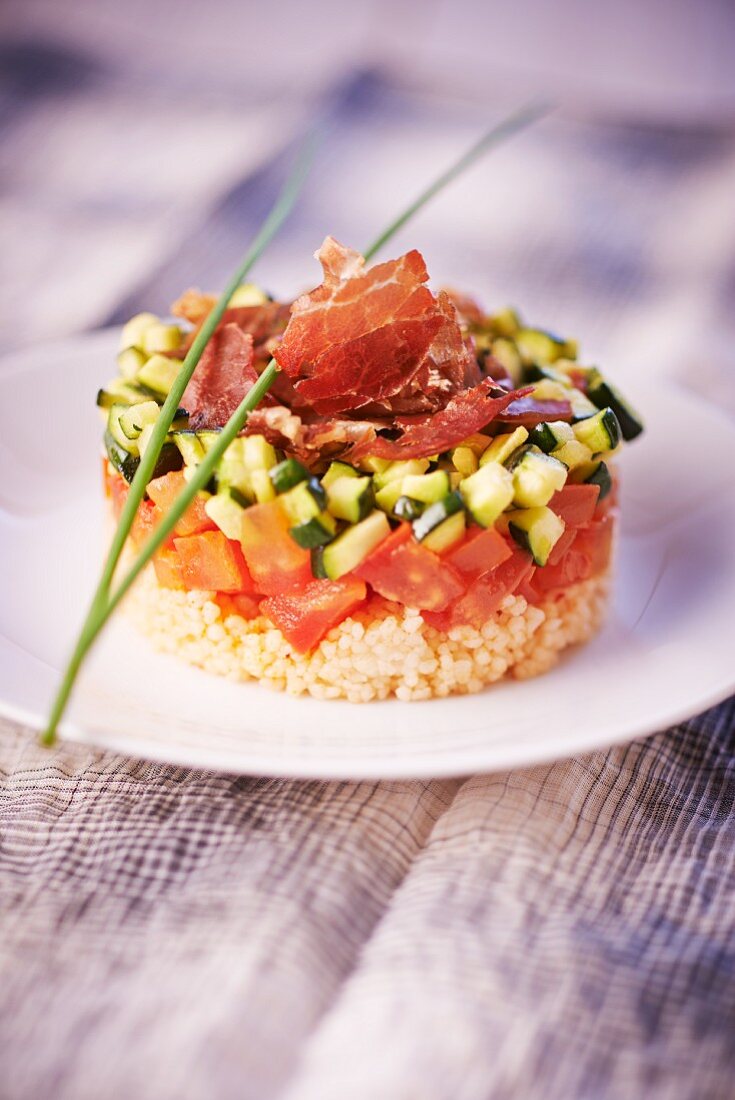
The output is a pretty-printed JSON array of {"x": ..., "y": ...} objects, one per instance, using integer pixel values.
[
  {"x": 596, "y": 472},
  {"x": 248, "y": 294},
  {"x": 537, "y": 346},
  {"x": 191, "y": 448},
  {"x": 464, "y": 460},
  {"x": 536, "y": 372},
  {"x": 123, "y": 461},
  {"x": 350, "y": 498},
  {"x": 426, "y": 487},
  {"x": 115, "y": 429},
  {"x": 314, "y": 532},
  {"x": 603, "y": 395},
  {"x": 262, "y": 486},
  {"x": 132, "y": 332},
  {"x": 135, "y": 417},
  {"x": 226, "y": 513},
  {"x": 387, "y": 497},
  {"x": 549, "y": 390},
  {"x": 600, "y": 432},
  {"x": 120, "y": 392},
  {"x": 503, "y": 446},
  {"x": 257, "y": 453},
  {"x": 407, "y": 509},
  {"x": 374, "y": 465},
  {"x": 159, "y": 336},
  {"x": 506, "y": 322},
  {"x": 239, "y": 498},
  {"x": 487, "y": 493},
  {"x": 572, "y": 453},
  {"x": 159, "y": 373},
  {"x": 354, "y": 544},
  {"x": 536, "y": 477},
  {"x": 287, "y": 474},
  {"x": 305, "y": 501},
  {"x": 551, "y": 434},
  {"x": 129, "y": 362},
  {"x": 398, "y": 470},
  {"x": 537, "y": 530},
  {"x": 208, "y": 439},
  {"x": 447, "y": 533},
  {"x": 435, "y": 515},
  {"x": 338, "y": 470},
  {"x": 232, "y": 471},
  {"x": 507, "y": 355}
]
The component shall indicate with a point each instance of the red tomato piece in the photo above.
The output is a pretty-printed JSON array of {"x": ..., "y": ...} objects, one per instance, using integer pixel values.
[
  {"x": 276, "y": 563},
  {"x": 596, "y": 542},
  {"x": 167, "y": 565},
  {"x": 575, "y": 504},
  {"x": 485, "y": 595},
  {"x": 117, "y": 488},
  {"x": 574, "y": 566},
  {"x": 212, "y": 562},
  {"x": 145, "y": 520},
  {"x": 304, "y": 617},
  {"x": 482, "y": 550},
  {"x": 403, "y": 570},
  {"x": 164, "y": 490},
  {"x": 239, "y": 603},
  {"x": 561, "y": 546}
]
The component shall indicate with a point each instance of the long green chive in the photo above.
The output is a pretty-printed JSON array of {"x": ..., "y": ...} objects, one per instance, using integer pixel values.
[{"x": 104, "y": 602}]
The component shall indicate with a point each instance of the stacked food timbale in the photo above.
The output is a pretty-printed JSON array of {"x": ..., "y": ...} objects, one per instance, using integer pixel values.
[{"x": 424, "y": 502}]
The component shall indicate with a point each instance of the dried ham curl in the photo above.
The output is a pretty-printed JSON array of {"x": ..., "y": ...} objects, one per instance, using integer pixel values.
[
  {"x": 222, "y": 377},
  {"x": 374, "y": 341},
  {"x": 467, "y": 412}
]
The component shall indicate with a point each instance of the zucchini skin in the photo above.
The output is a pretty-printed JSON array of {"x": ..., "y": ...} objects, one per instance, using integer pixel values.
[{"x": 126, "y": 464}]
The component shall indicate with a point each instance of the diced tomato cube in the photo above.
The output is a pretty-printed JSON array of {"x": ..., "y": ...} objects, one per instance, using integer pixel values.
[
  {"x": 212, "y": 562},
  {"x": 401, "y": 569},
  {"x": 239, "y": 603},
  {"x": 164, "y": 490},
  {"x": 276, "y": 563},
  {"x": 305, "y": 617},
  {"x": 485, "y": 595},
  {"x": 167, "y": 565},
  {"x": 572, "y": 567},
  {"x": 561, "y": 546},
  {"x": 575, "y": 504},
  {"x": 482, "y": 550},
  {"x": 145, "y": 520},
  {"x": 596, "y": 542}
]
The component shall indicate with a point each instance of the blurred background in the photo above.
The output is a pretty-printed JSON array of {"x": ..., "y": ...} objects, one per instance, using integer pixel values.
[{"x": 141, "y": 143}]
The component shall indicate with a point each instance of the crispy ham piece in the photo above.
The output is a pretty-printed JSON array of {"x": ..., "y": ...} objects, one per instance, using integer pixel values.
[
  {"x": 223, "y": 376},
  {"x": 374, "y": 339}
]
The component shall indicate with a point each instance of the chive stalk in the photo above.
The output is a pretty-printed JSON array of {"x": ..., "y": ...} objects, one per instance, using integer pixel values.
[{"x": 105, "y": 602}]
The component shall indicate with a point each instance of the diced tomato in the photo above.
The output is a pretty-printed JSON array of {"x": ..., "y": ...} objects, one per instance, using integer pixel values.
[
  {"x": 572, "y": 567},
  {"x": 239, "y": 603},
  {"x": 164, "y": 490},
  {"x": 145, "y": 520},
  {"x": 588, "y": 555},
  {"x": 485, "y": 595},
  {"x": 596, "y": 542},
  {"x": 118, "y": 493},
  {"x": 167, "y": 565},
  {"x": 401, "y": 569},
  {"x": 276, "y": 563},
  {"x": 481, "y": 551},
  {"x": 561, "y": 546},
  {"x": 212, "y": 562},
  {"x": 575, "y": 504},
  {"x": 305, "y": 617}
]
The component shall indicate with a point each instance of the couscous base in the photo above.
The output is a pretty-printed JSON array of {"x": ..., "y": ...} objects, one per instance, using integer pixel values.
[{"x": 385, "y": 650}]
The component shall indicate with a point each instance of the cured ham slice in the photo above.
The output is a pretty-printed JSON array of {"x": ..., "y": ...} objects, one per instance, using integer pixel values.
[
  {"x": 223, "y": 375},
  {"x": 464, "y": 414},
  {"x": 529, "y": 411},
  {"x": 365, "y": 337}
]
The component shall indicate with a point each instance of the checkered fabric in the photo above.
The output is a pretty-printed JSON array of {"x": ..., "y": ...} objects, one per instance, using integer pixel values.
[{"x": 566, "y": 932}]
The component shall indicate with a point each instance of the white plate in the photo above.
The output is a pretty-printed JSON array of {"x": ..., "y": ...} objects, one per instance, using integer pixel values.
[{"x": 666, "y": 652}]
